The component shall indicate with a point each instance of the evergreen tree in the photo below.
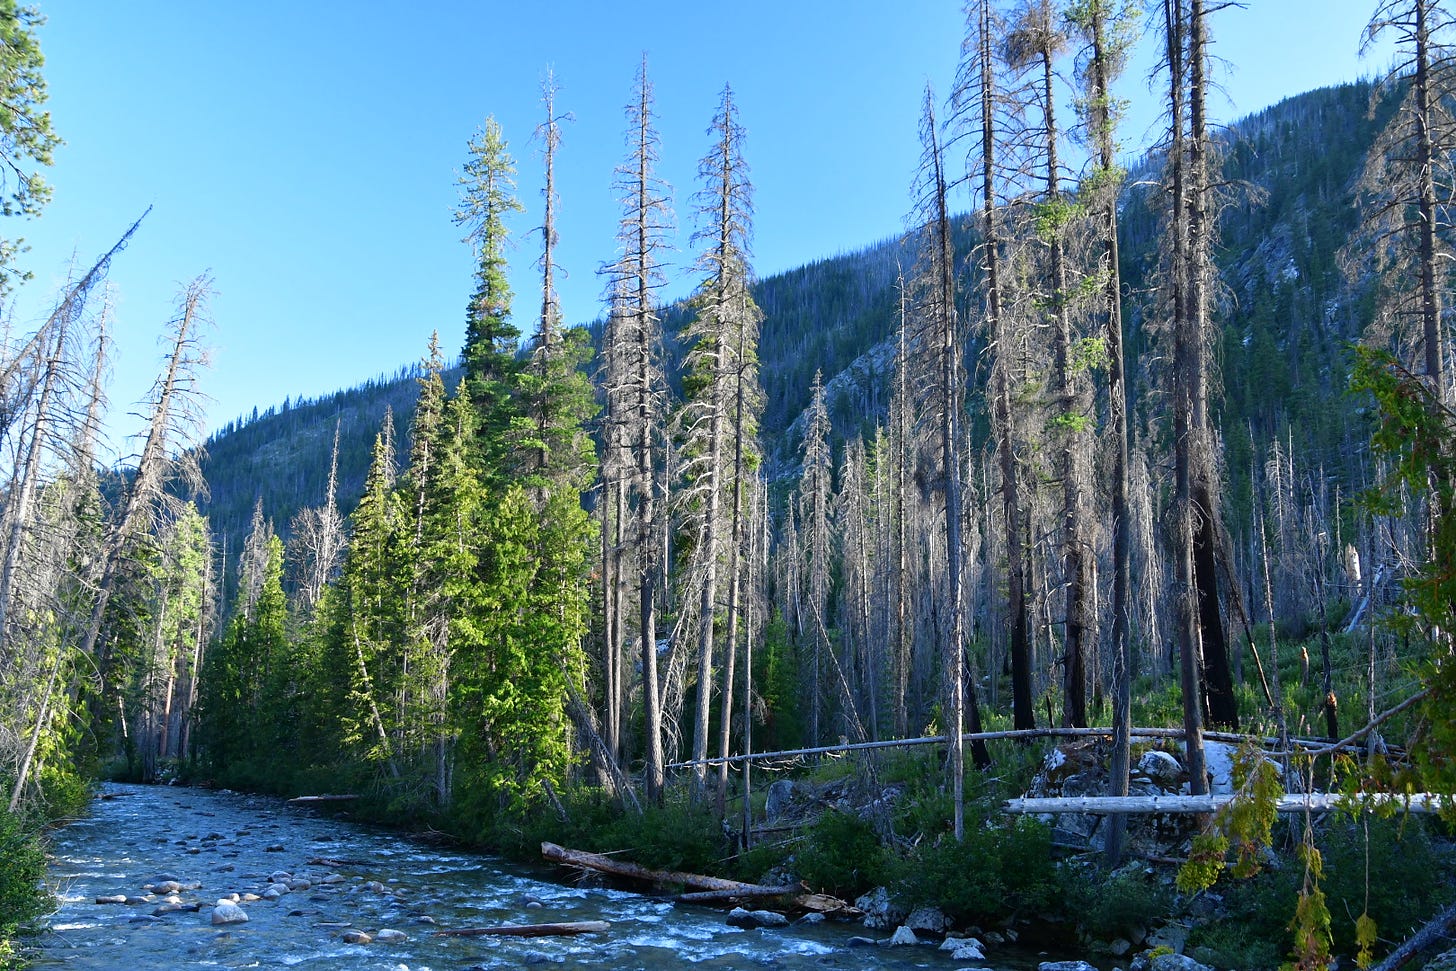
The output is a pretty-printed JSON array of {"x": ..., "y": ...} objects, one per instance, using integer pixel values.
[{"x": 487, "y": 198}]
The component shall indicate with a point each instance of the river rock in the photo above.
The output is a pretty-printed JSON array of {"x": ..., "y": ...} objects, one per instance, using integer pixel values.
[
  {"x": 903, "y": 936},
  {"x": 135, "y": 901},
  {"x": 968, "y": 952},
  {"x": 956, "y": 943},
  {"x": 739, "y": 917},
  {"x": 166, "y": 877},
  {"x": 227, "y": 912},
  {"x": 1065, "y": 966},
  {"x": 1176, "y": 962},
  {"x": 1171, "y": 936},
  {"x": 119, "y": 898},
  {"x": 176, "y": 908},
  {"x": 275, "y": 848},
  {"x": 356, "y": 937},
  {"x": 862, "y": 942},
  {"x": 374, "y": 886},
  {"x": 332, "y": 878},
  {"x": 389, "y": 935},
  {"x": 927, "y": 920},
  {"x": 279, "y": 876},
  {"x": 274, "y": 891},
  {"x": 166, "y": 887},
  {"x": 880, "y": 909},
  {"x": 812, "y": 917}
]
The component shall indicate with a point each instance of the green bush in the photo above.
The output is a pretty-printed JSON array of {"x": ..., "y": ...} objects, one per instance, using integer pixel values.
[
  {"x": 994, "y": 871},
  {"x": 23, "y": 897},
  {"x": 841, "y": 855},
  {"x": 1110, "y": 906},
  {"x": 1405, "y": 888}
]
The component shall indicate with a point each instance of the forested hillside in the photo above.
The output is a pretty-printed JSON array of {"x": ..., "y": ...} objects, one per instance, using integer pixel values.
[
  {"x": 1088, "y": 448},
  {"x": 1287, "y": 316}
]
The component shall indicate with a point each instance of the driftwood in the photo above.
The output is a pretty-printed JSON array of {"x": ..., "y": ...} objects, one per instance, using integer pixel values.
[
  {"x": 531, "y": 930},
  {"x": 1421, "y": 802},
  {"x": 323, "y": 798},
  {"x": 746, "y": 891},
  {"x": 633, "y": 871},
  {"x": 1424, "y": 938},
  {"x": 704, "y": 889}
]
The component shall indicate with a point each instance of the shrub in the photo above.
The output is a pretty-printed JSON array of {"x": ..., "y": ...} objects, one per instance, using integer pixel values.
[
  {"x": 841, "y": 855},
  {"x": 994, "y": 871},
  {"x": 23, "y": 898},
  {"x": 1110, "y": 906}
]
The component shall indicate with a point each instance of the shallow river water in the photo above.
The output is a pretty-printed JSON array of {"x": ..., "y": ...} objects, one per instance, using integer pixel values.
[{"x": 232, "y": 843}]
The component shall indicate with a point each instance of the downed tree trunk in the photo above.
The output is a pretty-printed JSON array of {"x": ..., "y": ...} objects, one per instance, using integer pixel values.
[
  {"x": 531, "y": 930},
  {"x": 1420, "y": 802},
  {"x": 1424, "y": 938},
  {"x": 723, "y": 896},
  {"x": 633, "y": 871},
  {"x": 705, "y": 889}
]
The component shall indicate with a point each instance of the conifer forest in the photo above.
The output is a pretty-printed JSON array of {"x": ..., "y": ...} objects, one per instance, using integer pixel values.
[{"x": 1114, "y": 442}]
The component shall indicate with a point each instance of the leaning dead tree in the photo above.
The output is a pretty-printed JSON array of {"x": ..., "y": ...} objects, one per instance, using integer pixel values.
[{"x": 167, "y": 454}]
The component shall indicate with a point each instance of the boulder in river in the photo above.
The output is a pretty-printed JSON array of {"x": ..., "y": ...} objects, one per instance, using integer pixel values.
[
  {"x": 1176, "y": 962},
  {"x": 389, "y": 935},
  {"x": 927, "y": 920},
  {"x": 903, "y": 937},
  {"x": 165, "y": 887},
  {"x": 880, "y": 909},
  {"x": 356, "y": 937},
  {"x": 739, "y": 917},
  {"x": 118, "y": 898},
  {"x": 227, "y": 912},
  {"x": 1065, "y": 966}
]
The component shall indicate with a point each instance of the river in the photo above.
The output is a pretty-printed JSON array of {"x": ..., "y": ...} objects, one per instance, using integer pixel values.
[{"x": 232, "y": 843}]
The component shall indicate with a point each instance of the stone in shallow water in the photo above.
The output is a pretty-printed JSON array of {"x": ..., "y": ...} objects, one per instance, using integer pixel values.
[
  {"x": 356, "y": 937},
  {"x": 227, "y": 912},
  {"x": 739, "y": 917},
  {"x": 389, "y": 935},
  {"x": 903, "y": 936}
]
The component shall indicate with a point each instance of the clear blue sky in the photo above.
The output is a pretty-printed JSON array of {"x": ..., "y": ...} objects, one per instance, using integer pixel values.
[{"x": 305, "y": 153}]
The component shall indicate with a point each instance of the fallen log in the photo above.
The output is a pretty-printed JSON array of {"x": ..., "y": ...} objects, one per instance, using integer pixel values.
[
  {"x": 1420, "y": 802},
  {"x": 747, "y": 890},
  {"x": 323, "y": 798},
  {"x": 704, "y": 889},
  {"x": 634, "y": 871},
  {"x": 1433, "y": 933},
  {"x": 531, "y": 930}
]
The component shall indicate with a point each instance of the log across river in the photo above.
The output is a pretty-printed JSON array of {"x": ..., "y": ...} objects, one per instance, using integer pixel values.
[{"x": 350, "y": 880}]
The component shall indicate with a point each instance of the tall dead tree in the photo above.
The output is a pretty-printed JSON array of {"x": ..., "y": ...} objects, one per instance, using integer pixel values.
[
  {"x": 1185, "y": 359},
  {"x": 940, "y": 336},
  {"x": 717, "y": 414},
  {"x": 979, "y": 102},
  {"x": 166, "y": 456},
  {"x": 1407, "y": 186},
  {"x": 1106, "y": 27},
  {"x": 637, "y": 389},
  {"x": 1036, "y": 42}
]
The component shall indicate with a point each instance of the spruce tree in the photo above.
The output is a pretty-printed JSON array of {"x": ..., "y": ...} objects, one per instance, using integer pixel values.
[{"x": 487, "y": 199}]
